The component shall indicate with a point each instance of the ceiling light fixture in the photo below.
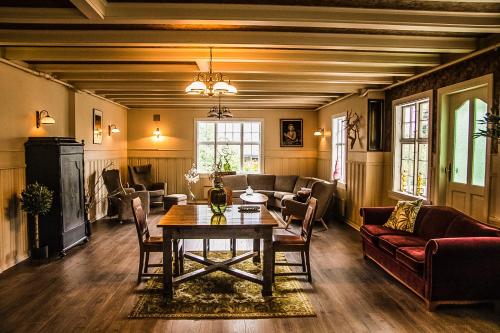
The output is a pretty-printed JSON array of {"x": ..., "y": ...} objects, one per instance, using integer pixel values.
[
  {"x": 210, "y": 83},
  {"x": 219, "y": 112},
  {"x": 43, "y": 118}
]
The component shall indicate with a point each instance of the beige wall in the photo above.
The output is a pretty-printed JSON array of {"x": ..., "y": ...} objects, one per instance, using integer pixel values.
[
  {"x": 21, "y": 94},
  {"x": 174, "y": 153}
]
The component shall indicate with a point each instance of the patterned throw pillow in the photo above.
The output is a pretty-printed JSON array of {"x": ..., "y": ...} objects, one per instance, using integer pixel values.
[{"x": 404, "y": 215}]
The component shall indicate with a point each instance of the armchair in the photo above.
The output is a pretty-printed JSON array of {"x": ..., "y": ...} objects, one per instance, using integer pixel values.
[
  {"x": 322, "y": 191},
  {"x": 119, "y": 197},
  {"x": 142, "y": 180}
]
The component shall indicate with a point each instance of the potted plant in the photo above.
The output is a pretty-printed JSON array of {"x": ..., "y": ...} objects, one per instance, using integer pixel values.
[{"x": 36, "y": 200}]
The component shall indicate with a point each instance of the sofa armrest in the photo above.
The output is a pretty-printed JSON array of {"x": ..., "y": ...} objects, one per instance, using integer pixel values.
[
  {"x": 129, "y": 190},
  {"x": 158, "y": 186},
  {"x": 295, "y": 208},
  {"x": 139, "y": 187},
  {"x": 375, "y": 215},
  {"x": 465, "y": 268}
]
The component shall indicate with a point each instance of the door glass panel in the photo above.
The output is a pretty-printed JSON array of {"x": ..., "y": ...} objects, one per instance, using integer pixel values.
[
  {"x": 479, "y": 144},
  {"x": 461, "y": 144}
]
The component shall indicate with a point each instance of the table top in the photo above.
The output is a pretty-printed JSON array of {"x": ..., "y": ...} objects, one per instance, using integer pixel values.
[
  {"x": 202, "y": 216},
  {"x": 257, "y": 198}
]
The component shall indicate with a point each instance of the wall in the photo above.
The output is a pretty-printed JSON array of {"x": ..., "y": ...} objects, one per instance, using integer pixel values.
[
  {"x": 174, "y": 153},
  {"x": 21, "y": 94},
  {"x": 364, "y": 169}
]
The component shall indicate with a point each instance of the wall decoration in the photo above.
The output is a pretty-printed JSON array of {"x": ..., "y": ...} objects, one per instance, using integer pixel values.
[
  {"x": 97, "y": 126},
  {"x": 291, "y": 131},
  {"x": 375, "y": 124},
  {"x": 352, "y": 127}
]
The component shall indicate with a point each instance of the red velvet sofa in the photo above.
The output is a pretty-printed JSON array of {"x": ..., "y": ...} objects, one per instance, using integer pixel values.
[{"x": 449, "y": 258}]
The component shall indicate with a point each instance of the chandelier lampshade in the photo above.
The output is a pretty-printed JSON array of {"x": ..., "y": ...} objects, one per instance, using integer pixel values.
[{"x": 219, "y": 112}]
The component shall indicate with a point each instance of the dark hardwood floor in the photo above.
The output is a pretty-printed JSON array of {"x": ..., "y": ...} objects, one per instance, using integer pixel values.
[{"x": 94, "y": 288}]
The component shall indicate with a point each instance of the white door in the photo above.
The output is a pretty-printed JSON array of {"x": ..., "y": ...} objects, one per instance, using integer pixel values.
[{"x": 468, "y": 158}]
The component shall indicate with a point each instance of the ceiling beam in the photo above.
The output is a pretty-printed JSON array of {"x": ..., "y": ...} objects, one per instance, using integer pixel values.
[
  {"x": 243, "y": 39},
  {"x": 124, "y": 54},
  {"x": 92, "y": 9},
  {"x": 264, "y": 15}
]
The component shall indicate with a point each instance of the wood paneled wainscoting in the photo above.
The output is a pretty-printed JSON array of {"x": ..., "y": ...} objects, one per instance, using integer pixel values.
[{"x": 13, "y": 222}]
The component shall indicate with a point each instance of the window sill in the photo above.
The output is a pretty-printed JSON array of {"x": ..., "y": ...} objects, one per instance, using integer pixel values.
[{"x": 407, "y": 197}]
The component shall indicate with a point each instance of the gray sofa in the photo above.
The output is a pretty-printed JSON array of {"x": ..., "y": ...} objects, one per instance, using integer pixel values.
[{"x": 277, "y": 188}]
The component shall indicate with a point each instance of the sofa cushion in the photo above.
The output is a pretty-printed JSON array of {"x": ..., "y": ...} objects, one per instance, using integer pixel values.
[
  {"x": 391, "y": 243},
  {"x": 270, "y": 194},
  {"x": 433, "y": 221},
  {"x": 404, "y": 215},
  {"x": 261, "y": 182},
  {"x": 464, "y": 226},
  {"x": 235, "y": 182},
  {"x": 281, "y": 195},
  {"x": 412, "y": 257},
  {"x": 371, "y": 232},
  {"x": 285, "y": 183},
  {"x": 301, "y": 182}
]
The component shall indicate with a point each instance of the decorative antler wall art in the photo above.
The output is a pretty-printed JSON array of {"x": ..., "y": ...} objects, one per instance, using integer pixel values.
[{"x": 352, "y": 126}]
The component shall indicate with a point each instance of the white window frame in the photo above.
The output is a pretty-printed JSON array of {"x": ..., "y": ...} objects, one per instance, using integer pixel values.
[
  {"x": 341, "y": 182},
  {"x": 232, "y": 120},
  {"x": 397, "y": 105}
]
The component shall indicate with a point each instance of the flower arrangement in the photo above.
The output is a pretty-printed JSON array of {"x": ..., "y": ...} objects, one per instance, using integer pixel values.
[{"x": 192, "y": 177}]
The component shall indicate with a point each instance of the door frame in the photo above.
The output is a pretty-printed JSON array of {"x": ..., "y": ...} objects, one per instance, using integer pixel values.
[{"x": 442, "y": 138}]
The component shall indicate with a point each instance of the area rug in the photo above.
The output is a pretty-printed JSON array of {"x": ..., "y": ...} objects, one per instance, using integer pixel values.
[{"x": 221, "y": 296}]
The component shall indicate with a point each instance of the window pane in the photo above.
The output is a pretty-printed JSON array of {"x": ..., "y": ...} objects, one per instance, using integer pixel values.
[
  {"x": 206, "y": 154},
  {"x": 206, "y": 132},
  {"x": 407, "y": 167},
  {"x": 479, "y": 144},
  {"x": 461, "y": 144},
  {"x": 256, "y": 127},
  {"x": 251, "y": 158}
]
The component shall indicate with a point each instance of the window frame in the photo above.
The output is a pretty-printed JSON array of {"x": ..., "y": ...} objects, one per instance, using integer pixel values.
[
  {"x": 397, "y": 143},
  {"x": 241, "y": 144},
  {"x": 340, "y": 182}
]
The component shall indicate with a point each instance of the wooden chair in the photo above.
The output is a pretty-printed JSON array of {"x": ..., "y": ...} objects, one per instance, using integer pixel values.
[
  {"x": 296, "y": 243},
  {"x": 232, "y": 244},
  {"x": 148, "y": 244}
]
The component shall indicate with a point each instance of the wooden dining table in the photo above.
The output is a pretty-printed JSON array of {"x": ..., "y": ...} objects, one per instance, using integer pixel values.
[{"x": 198, "y": 222}]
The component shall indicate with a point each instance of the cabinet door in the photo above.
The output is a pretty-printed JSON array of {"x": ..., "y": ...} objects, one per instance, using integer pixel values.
[{"x": 72, "y": 191}]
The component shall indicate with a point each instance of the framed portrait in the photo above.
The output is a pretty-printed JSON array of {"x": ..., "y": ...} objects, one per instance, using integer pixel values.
[
  {"x": 291, "y": 131},
  {"x": 97, "y": 126}
]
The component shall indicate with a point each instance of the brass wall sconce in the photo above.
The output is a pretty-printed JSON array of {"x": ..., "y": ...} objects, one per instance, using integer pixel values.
[
  {"x": 113, "y": 129},
  {"x": 157, "y": 133},
  {"x": 319, "y": 132},
  {"x": 43, "y": 118}
]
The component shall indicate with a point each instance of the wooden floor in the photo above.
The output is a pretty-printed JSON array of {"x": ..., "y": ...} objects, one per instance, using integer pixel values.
[{"x": 94, "y": 288}]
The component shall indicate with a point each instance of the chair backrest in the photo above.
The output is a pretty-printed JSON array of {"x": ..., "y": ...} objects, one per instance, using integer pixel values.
[
  {"x": 140, "y": 219},
  {"x": 307, "y": 224},
  {"x": 141, "y": 174},
  {"x": 323, "y": 192},
  {"x": 113, "y": 182}
]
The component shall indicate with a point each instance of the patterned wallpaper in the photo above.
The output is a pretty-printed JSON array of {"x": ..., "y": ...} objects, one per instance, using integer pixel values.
[{"x": 483, "y": 64}]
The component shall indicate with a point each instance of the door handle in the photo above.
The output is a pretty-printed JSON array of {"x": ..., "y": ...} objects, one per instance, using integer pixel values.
[{"x": 448, "y": 171}]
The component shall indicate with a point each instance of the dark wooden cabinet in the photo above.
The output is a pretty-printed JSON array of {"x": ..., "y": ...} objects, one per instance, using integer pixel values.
[{"x": 57, "y": 162}]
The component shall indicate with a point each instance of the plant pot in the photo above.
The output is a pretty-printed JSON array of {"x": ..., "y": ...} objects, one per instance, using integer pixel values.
[{"x": 38, "y": 253}]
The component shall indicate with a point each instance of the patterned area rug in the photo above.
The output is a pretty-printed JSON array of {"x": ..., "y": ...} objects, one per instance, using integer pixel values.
[{"x": 221, "y": 296}]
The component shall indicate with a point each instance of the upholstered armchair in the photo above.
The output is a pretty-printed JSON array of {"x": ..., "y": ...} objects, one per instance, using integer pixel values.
[
  {"x": 120, "y": 198},
  {"x": 322, "y": 191},
  {"x": 142, "y": 180}
]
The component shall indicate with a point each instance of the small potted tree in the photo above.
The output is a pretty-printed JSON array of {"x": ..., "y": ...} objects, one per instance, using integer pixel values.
[{"x": 36, "y": 200}]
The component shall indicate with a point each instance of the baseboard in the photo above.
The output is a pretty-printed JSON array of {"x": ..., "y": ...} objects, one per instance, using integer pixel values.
[{"x": 352, "y": 224}]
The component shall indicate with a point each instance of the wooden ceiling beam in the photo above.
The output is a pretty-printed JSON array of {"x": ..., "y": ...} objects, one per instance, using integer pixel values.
[
  {"x": 92, "y": 9},
  {"x": 242, "y": 39}
]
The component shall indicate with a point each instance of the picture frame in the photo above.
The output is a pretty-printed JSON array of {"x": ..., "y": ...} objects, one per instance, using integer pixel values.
[
  {"x": 375, "y": 124},
  {"x": 97, "y": 126},
  {"x": 291, "y": 133}
]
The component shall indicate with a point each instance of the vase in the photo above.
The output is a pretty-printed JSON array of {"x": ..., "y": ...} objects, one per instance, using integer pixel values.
[
  {"x": 218, "y": 200},
  {"x": 249, "y": 190}
]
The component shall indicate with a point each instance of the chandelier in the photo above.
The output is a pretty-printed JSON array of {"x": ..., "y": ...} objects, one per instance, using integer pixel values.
[
  {"x": 210, "y": 83},
  {"x": 219, "y": 112}
]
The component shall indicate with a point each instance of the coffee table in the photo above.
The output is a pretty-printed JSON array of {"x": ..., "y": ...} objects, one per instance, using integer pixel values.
[{"x": 255, "y": 198}]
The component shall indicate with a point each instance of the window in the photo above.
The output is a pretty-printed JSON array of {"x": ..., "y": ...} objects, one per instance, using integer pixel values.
[
  {"x": 338, "y": 149},
  {"x": 237, "y": 144},
  {"x": 411, "y": 148}
]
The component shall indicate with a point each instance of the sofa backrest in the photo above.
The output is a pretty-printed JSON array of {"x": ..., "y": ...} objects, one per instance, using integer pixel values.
[
  {"x": 285, "y": 183},
  {"x": 261, "y": 182},
  {"x": 301, "y": 182},
  {"x": 235, "y": 182},
  {"x": 443, "y": 222}
]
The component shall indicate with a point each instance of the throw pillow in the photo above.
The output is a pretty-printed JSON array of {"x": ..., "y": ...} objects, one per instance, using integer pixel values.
[{"x": 404, "y": 215}]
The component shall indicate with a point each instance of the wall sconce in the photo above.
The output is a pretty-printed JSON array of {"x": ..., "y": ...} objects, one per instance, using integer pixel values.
[
  {"x": 43, "y": 118},
  {"x": 319, "y": 132},
  {"x": 113, "y": 129},
  {"x": 157, "y": 133}
]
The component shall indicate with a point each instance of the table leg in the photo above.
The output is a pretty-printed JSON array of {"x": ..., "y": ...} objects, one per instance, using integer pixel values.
[
  {"x": 256, "y": 248},
  {"x": 176, "y": 257},
  {"x": 167, "y": 265},
  {"x": 267, "y": 266}
]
